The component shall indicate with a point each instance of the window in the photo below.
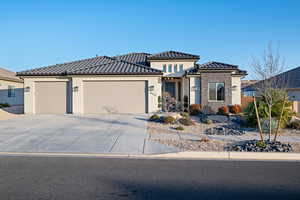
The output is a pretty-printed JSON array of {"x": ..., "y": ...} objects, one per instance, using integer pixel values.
[
  {"x": 11, "y": 92},
  {"x": 170, "y": 68},
  {"x": 181, "y": 67},
  {"x": 216, "y": 91},
  {"x": 175, "y": 68},
  {"x": 164, "y": 68}
]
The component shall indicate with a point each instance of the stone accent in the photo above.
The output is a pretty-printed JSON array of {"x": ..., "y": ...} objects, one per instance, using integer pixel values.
[{"x": 212, "y": 107}]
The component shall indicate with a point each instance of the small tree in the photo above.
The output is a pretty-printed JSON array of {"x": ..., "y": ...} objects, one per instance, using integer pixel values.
[{"x": 271, "y": 87}]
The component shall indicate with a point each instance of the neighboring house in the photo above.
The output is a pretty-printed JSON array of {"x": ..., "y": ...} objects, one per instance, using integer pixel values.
[
  {"x": 11, "y": 88},
  {"x": 289, "y": 80},
  {"x": 130, "y": 83}
]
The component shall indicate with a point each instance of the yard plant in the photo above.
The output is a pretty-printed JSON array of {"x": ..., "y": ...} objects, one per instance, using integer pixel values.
[{"x": 195, "y": 109}]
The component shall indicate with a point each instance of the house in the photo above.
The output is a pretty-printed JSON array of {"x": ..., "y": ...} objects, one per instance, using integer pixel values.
[
  {"x": 11, "y": 88},
  {"x": 131, "y": 83},
  {"x": 289, "y": 80}
]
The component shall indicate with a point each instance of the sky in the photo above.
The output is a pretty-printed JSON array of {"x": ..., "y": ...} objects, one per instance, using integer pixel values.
[{"x": 41, "y": 33}]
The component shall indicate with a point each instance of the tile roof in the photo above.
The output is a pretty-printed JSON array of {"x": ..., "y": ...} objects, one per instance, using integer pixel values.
[
  {"x": 172, "y": 55},
  {"x": 116, "y": 66},
  {"x": 215, "y": 66},
  {"x": 9, "y": 75},
  {"x": 137, "y": 58},
  {"x": 96, "y": 65}
]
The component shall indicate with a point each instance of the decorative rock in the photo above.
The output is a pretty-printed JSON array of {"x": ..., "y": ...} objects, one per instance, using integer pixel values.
[{"x": 258, "y": 146}]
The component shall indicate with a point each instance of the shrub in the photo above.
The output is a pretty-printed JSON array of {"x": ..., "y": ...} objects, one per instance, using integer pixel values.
[
  {"x": 154, "y": 118},
  {"x": 261, "y": 144},
  {"x": 179, "y": 128},
  {"x": 235, "y": 109},
  {"x": 262, "y": 108},
  {"x": 185, "y": 115},
  {"x": 208, "y": 121},
  {"x": 265, "y": 125},
  {"x": 223, "y": 110},
  {"x": 204, "y": 140},
  {"x": 4, "y": 105},
  {"x": 195, "y": 109},
  {"x": 186, "y": 122},
  {"x": 295, "y": 125},
  {"x": 168, "y": 119}
]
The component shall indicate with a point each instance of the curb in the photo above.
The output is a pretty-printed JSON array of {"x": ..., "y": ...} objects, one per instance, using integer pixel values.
[{"x": 194, "y": 155}]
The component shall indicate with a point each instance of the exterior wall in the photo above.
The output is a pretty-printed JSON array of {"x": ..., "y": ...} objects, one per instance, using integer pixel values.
[
  {"x": 294, "y": 94},
  {"x": 152, "y": 95},
  {"x": 236, "y": 90},
  {"x": 195, "y": 87},
  {"x": 75, "y": 96},
  {"x": 29, "y": 91},
  {"x": 19, "y": 94},
  {"x": 212, "y": 106},
  {"x": 187, "y": 64}
]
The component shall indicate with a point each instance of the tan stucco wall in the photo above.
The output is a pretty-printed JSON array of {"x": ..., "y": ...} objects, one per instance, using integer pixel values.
[
  {"x": 18, "y": 99},
  {"x": 236, "y": 90},
  {"x": 77, "y": 96},
  {"x": 29, "y": 95},
  {"x": 187, "y": 64},
  {"x": 152, "y": 95}
]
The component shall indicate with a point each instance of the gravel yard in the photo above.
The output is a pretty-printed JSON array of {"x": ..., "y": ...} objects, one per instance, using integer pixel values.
[{"x": 193, "y": 138}]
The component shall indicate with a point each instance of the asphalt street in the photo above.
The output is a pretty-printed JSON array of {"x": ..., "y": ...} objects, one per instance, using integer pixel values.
[{"x": 111, "y": 178}]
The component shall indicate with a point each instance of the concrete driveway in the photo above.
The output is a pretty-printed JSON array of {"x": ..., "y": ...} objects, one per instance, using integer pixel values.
[{"x": 109, "y": 133}]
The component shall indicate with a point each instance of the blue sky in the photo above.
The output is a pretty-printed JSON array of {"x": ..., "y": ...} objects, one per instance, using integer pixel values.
[{"x": 39, "y": 33}]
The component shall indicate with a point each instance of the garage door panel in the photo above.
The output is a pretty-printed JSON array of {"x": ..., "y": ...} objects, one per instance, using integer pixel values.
[
  {"x": 51, "y": 97},
  {"x": 115, "y": 97}
]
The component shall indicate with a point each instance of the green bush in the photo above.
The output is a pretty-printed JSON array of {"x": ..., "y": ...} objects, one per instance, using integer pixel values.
[
  {"x": 186, "y": 122},
  {"x": 207, "y": 121},
  {"x": 179, "y": 128},
  {"x": 4, "y": 105},
  {"x": 261, "y": 144},
  {"x": 154, "y": 118},
  {"x": 168, "y": 119},
  {"x": 265, "y": 125},
  {"x": 263, "y": 111},
  {"x": 195, "y": 109},
  {"x": 185, "y": 115},
  {"x": 223, "y": 110}
]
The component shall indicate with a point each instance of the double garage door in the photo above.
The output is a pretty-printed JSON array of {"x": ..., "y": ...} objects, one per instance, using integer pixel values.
[{"x": 98, "y": 97}]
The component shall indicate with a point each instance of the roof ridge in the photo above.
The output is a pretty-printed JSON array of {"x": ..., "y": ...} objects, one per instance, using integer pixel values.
[
  {"x": 212, "y": 62},
  {"x": 117, "y": 60},
  {"x": 138, "y": 65},
  {"x": 75, "y": 70},
  {"x": 172, "y": 51}
]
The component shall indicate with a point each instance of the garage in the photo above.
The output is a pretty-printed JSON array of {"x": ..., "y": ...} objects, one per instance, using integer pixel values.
[
  {"x": 115, "y": 97},
  {"x": 51, "y": 97}
]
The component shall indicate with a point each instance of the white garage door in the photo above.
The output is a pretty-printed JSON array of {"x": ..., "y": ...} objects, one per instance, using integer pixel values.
[
  {"x": 115, "y": 97},
  {"x": 50, "y": 97}
]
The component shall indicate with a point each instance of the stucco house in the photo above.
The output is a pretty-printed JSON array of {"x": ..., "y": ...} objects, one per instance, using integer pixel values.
[
  {"x": 290, "y": 80},
  {"x": 131, "y": 83},
  {"x": 11, "y": 88}
]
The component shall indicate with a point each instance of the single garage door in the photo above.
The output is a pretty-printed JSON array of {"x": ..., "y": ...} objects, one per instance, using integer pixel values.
[
  {"x": 115, "y": 97},
  {"x": 51, "y": 97}
]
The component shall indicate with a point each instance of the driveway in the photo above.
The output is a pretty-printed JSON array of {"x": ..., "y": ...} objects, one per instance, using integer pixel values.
[{"x": 109, "y": 133}]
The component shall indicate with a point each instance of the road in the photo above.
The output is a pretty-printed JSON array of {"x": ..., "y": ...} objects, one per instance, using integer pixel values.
[{"x": 111, "y": 178}]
